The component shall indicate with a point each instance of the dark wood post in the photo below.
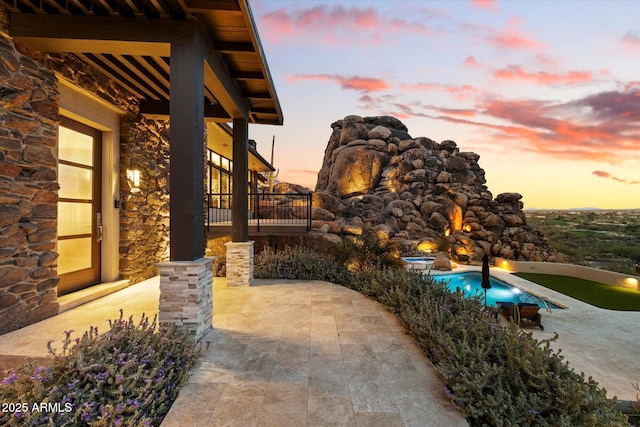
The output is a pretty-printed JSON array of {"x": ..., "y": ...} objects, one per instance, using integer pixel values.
[
  {"x": 240, "y": 209},
  {"x": 186, "y": 180}
]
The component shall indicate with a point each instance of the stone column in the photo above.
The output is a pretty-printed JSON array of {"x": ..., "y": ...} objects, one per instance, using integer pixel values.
[
  {"x": 239, "y": 263},
  {"x": 186, "y": 296}
]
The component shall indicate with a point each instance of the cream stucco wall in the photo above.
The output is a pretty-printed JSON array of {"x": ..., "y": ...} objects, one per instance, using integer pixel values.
[{"x": 587, "y": 273}]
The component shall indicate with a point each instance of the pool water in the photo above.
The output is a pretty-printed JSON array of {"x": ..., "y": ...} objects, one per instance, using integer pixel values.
[{"x": 470, "y": 284}]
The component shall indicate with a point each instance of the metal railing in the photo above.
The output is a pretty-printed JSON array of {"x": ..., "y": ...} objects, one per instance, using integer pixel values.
[{"x": 271, "y": 209}]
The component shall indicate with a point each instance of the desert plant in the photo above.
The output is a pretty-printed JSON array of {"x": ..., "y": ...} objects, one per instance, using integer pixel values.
[
  {"x": 298, "y": 263},
  {"x": 129, "y": 375},
  {"x": 496, "y": 375},
  {"x": 366, "y": 252},
  {"x": 443, "y": 244}
]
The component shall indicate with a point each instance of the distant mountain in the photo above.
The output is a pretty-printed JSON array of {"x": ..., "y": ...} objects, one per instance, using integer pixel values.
[{"x": 565, "y": 209}]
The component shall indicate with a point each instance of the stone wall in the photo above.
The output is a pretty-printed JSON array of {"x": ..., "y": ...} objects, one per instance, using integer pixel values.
[
  {"x": 144, "y": 213},
  {"x": 28, "y": 186},
  {"x": 29, "y": 117}
]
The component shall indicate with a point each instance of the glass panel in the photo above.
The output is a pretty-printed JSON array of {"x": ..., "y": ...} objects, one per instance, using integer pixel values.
[
  {"x": 75, "y": 146},
  {"x": 75, "y": 182},
  {"x": 215, "y": 181},
  {"x": 215, "y": 158},
  {"x": 75, "y": 254},
  {"x": 225, "y": 183},
  {"x": 74, "y": 218},
  {"x": 225, "y": 164}
]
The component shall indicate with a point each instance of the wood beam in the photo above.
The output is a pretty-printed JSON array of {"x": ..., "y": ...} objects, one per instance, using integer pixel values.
[
  {"x": 240, "y": 208},
  {"x": 99, "y": 33},
  {"x": 217, "y": 77},
  {"x": 209, "y": 5},
  {"x": 159, "y": 110},
  {"x": 186, "y": 151}
]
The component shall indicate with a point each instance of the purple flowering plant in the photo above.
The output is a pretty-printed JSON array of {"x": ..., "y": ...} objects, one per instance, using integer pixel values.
[
  {"x": 496, "y": 375},
  {"x": 129, "y": 375}
]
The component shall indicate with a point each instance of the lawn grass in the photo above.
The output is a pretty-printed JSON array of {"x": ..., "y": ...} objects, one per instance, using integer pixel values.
[{"x": 594, "y": 293}]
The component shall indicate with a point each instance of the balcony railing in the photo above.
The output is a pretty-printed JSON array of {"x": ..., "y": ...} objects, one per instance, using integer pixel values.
[{"x": 265, "y": 209}]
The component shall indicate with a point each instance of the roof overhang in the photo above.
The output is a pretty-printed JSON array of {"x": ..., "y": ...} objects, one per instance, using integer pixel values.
[{"x": 130, "y": 42}]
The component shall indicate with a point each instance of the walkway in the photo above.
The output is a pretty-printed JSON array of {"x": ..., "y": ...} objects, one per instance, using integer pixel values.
[{"x": 283, "y": 353}]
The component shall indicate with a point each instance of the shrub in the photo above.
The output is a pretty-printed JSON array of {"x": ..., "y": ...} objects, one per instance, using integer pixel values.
[
  {"x": 496, "y": 375},
  {"x": 298, "y": 263},
  {"x": 366, "y": 252},
  {"x": 129, "y": 375}
]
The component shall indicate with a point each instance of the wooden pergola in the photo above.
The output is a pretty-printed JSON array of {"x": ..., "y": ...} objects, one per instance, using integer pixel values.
[{"x": 187, "y": 61}]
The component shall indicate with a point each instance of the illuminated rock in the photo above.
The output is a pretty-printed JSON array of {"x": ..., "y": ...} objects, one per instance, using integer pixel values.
[{"x": 413, "y": 192}]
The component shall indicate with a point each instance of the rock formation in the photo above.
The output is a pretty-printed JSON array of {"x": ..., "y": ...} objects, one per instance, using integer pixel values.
[{"x": 418, "y": 194}]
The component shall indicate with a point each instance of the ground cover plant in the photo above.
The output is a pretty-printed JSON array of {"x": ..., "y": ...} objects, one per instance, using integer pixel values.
[
  {"x": 594, "y": 293},
  {"x": 495, "y": 375},
  {"x": 127, "y": 376}
]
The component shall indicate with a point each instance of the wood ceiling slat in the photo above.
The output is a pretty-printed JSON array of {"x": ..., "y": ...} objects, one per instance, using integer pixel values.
[
  {"x": 133, "y": 8},
  {"x": 143, "y": 73},
  {"x": 112, "y": 74},
  {"x": 104, "y": 4},
  {"x": 131, "y": 76},
  {"x": 161, "y": 9},
  {"x": 185, "y": 9},
  {"x": 158, "y": 72},
  {"x": 80, "y": 5},
  {"x": 61, "y": 9},
  {"x": 37, "y": 9},
  {"x": 10, "y": 6}
]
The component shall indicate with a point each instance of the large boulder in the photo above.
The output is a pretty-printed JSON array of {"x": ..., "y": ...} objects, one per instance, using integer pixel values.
[
  {"x": 356, "y": 170},
  {"x": 414, "y": 192}
]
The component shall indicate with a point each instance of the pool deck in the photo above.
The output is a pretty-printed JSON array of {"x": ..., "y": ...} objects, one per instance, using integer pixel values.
[
  {"x": 604, "y": 344},
  {"x": 315, "y": 353}
]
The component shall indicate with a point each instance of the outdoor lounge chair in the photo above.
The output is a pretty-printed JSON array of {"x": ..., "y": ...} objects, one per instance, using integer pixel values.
[
  {"x": 529, "y": 313},
  {"x": 526, "y": 313}
]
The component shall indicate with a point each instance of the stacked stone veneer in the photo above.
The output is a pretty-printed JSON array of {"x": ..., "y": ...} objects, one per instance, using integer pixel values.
[
  {"x": 28, "y": 186},
  {"x": 186, "y": 296},
  {"x": 239, "y": 263},
  {"x": 29, "y": 118},
  {"x": 144, "y": 214}
]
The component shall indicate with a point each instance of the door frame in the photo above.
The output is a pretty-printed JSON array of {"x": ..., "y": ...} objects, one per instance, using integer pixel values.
[
  {"x": 86, "y": 108},
  {"x": 86, "y": 277}
]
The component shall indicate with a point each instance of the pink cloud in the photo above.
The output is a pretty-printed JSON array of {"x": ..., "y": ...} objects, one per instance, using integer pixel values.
[
  {"x": 471, "y": 62},
  {"x": 631, "y": 39},
  {"x": 511, "y": 37},
  {"x": 602, "y": 127},
  {"x": 485, "y": 4},
  {"x": 516, "y": 73},
  {"x": 328, "y": 24},
  {"x": 601, "y": 174},
  {"x": 363, "y": 84},
  {"x": 460, "y": 92}
]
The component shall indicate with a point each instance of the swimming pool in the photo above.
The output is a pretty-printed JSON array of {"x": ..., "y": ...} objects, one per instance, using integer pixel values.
[{"x": 470, "y": 284}]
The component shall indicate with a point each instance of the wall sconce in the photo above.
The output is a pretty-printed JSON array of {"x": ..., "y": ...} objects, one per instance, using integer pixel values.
[{"x": 133, "y": 175}]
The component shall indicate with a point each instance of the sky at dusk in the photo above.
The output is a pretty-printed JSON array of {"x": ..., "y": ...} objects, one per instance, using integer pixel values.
[{"x": 546, "y": 92}]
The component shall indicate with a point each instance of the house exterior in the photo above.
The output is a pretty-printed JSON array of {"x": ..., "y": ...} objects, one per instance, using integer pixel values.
[{"x": 111, "y": 117}]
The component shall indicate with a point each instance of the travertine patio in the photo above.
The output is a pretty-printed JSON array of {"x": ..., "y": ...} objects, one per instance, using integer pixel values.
[{"x": 314, "y": 353}]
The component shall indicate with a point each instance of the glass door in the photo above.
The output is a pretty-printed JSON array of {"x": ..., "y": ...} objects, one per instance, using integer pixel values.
[{"x": 79, "y": 218}]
